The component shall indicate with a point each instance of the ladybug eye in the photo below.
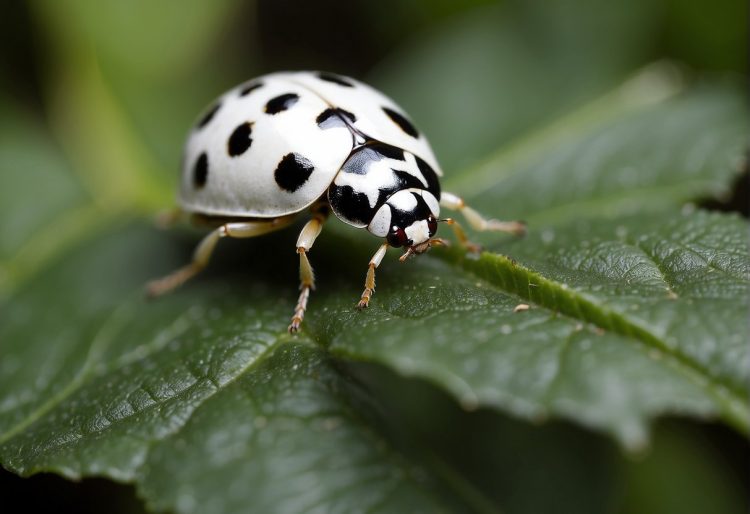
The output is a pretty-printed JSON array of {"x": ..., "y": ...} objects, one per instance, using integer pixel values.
[
  {"x": 432, "y": 225},
  {"x": 397, "y": 237}
]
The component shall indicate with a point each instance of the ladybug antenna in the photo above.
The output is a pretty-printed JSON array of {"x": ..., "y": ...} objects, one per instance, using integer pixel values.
[{"x": 423, "y": 247}]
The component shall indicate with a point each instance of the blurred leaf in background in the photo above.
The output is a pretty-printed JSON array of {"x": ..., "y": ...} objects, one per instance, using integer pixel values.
[
  {"x": 599, "y": 123},
  {"x": 501, "y": 70}
]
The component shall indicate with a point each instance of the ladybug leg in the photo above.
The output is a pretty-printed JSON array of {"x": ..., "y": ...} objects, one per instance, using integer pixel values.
[
  {"x": 370, "y": 279},
  {"x": 477, "y": 221},
  {"x": 306, "y": 238},
  {"x": 206, "y": 247},
  {"x": 463, "y": 239}
]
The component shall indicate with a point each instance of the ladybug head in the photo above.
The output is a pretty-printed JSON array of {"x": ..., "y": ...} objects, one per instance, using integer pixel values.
[{"x": 408, "y": 219}]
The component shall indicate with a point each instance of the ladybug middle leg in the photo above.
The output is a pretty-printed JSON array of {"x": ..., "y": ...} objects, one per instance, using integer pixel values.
[
  {"x": 364, "y": 300},
  {"x": 306, "y": 238},
  {"x": 477, "y": 221}
]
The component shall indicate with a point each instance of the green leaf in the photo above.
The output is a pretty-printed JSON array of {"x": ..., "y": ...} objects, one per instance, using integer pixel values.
[
  {"x": 606, "y": 160},
  {"x": 181, "y": 32},
  {"x": 137, "y": 391},
  {"x": 507, "y": 69},
  {"x": 42, "y": 203},
  {"x": 637, "y": 301},
  {"x": 686, "y": 459},
  {"x": 637, "y": 318},
  {"x": 631, "y": 316},
  {"x": 157, "y": 392},
  {"x": 119, "y": 108},
  {"x": 299, "y": 423},
  {"x": 32, "y": 167}
]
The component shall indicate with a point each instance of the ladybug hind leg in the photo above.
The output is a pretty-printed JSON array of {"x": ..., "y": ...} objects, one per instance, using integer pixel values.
[
  {"x": 202, "y": 254},
  {"x": 477, "y": 221}
]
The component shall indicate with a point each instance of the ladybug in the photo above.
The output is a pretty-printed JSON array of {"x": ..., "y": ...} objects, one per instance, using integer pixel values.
[{"x": 293, "y": 142}]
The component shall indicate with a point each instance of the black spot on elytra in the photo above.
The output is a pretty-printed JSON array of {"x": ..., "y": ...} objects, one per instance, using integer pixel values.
[
  {"x": 250, "y": 88},
  {"x": 293, "y": 171},
  {"x": 336, "y": 79},
  {"x": 335, "y": 118},
  {"x": 200, "y": 171},
  {"x": 240, "y": 140},
  {"x": 401, "y": 121},
  {"x": 328, "y": 119},
  {"x": 433, "y": 184},
  {"x": 206, "y": 118},
  {"x": 281, "y": 103}
]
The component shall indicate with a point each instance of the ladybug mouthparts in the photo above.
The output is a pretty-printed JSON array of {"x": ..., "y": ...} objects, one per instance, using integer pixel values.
[{"x": 423, "y": 247}]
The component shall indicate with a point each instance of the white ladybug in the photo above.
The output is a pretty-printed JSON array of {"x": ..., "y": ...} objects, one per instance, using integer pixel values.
[{"x": 290, "y": 142}]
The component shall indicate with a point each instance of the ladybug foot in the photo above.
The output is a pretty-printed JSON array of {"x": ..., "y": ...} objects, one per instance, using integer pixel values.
[
  {"x": 294, "y": 325},
  {"x": 299, "y": 310},
  {"x": 517, "y": 228},
  {"x": 365, "y": 300}
]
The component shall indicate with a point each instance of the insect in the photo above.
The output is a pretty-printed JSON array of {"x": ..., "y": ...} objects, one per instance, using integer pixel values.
[{"x": 313, "y": 142}]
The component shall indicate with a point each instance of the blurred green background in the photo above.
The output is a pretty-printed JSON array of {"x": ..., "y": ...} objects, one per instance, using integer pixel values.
[{"x": 97, "y": 96}]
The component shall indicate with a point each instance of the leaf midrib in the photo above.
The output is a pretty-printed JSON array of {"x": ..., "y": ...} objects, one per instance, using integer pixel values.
[{"x": 732, "y": 400}]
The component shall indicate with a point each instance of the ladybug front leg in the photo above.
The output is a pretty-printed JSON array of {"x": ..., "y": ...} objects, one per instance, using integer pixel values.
[
  {"x": 370, "y": 279},
  {"x": 205, "y": 248},
  {"x": 476, "y": 220},
  {"x": 306, "y": 238}
]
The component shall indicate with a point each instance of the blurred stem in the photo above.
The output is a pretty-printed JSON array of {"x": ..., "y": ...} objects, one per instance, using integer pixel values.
[
  {"x": 651, "y": 85},
  {"x": 111, "y": 160},
  {"x": 107, "y": 154}
]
